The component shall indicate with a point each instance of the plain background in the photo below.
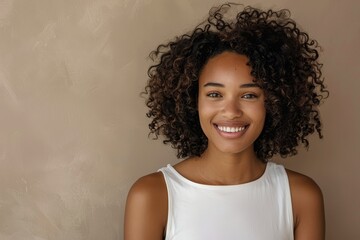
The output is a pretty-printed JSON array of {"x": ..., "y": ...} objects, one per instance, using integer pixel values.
[{"x": 73, "y": 132}]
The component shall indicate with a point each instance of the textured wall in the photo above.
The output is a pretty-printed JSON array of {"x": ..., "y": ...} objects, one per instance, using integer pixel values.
[{"x": 73, "y": 135}]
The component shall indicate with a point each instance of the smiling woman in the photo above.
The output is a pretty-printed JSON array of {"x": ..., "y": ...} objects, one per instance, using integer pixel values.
[
  {"x": 228, "y": 97},
  {"x": 230, "y": 105}
]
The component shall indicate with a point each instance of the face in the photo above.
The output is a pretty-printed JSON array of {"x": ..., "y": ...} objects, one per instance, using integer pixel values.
[{"x": 230, "y": 105}]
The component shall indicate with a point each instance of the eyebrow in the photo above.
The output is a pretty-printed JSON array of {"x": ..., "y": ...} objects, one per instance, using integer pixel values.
[{"x": 245, "y": 85}]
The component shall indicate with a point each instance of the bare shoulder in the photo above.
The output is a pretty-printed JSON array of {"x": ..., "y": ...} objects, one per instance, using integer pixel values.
[
  {"x": 149, "y": 187},
  {"x": 146, "y": 208},
  {"x": 308, "y": 207},
  {"x": 303, "y": 184}
]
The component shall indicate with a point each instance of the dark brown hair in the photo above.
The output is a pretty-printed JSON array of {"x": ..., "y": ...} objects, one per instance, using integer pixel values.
[{"x": 284, "y": 62}]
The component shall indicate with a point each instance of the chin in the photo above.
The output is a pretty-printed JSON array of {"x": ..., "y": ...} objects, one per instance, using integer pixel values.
[{"x": 234, "y": 150}]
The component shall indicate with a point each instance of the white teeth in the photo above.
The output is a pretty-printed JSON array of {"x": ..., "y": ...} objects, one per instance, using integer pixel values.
[{"x": 231, "y": 129}]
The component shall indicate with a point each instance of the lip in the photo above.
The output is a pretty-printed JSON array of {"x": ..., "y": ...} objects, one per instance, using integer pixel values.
[
  {"x": 231, "y": 135},
  {"x": 231, "y": 123}
]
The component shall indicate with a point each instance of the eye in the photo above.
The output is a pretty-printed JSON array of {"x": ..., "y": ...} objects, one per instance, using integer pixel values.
[
  {"x": 249, "y": 96},
  {"x": 213, "y": 95}
]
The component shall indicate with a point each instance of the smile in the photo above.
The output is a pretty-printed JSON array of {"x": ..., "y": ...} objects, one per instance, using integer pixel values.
[{"x": 231, "y": 129}]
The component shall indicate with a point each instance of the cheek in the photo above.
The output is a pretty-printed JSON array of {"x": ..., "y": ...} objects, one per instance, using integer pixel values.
[
  {"x": 204, "y": 107},
  {"x": 204, "y": 112},
  {"x": 258, "y": 113},
  {"x": 261, "y": 111},
  {"x": 262, "y": 115}
]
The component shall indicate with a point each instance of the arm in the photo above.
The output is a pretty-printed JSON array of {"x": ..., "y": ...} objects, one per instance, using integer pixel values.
[
  {"x": 146, "y": 209},
  {"x": 308, "y": 208}
]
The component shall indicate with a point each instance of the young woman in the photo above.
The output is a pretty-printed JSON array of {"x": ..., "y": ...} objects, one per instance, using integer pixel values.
[{"x": 228, "y": 97}]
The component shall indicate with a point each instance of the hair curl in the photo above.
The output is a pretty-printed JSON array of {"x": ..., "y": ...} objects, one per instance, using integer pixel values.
[{"x": 284, "y": 63}]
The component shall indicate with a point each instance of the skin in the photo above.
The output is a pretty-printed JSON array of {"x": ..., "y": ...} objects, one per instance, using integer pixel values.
[{"x": 228, "y": 98}]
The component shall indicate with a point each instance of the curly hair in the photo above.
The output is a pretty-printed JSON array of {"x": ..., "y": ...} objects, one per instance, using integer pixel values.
[{"x": 284, "y": 63}]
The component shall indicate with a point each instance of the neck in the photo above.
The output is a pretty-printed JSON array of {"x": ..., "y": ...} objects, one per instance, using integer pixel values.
[{"x": 230, "y": 169}]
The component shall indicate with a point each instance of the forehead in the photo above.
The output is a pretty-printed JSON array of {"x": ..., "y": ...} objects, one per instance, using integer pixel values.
[{"x": 226, "y": 66}]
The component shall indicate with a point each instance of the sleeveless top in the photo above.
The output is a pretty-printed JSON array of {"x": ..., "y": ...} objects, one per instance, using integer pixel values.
[{"x": 258, "y": 210}]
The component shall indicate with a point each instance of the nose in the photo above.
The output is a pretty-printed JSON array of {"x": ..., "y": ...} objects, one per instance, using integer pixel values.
[{"x": 232, "y": 109}]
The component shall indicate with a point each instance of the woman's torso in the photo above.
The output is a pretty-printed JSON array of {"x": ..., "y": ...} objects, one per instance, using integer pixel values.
[{"x": 257, "y": 210}]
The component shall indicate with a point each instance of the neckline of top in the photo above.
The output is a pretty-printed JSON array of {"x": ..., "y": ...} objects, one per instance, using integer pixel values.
[{"x": 207, "y": 186}]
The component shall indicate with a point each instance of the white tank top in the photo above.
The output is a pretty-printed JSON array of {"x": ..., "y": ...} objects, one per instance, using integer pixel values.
[{"x": 258, "y": 210}]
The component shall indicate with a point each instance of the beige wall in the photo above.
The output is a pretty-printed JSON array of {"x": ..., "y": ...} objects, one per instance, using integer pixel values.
[{"x": 73, "y": 135}]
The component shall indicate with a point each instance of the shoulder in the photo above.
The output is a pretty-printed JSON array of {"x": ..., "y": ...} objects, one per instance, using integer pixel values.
[
  {"x": 148, "y": 191},
  {"x": 146, "y": 208},
  {"x": 301, "y": 182},
  {"x": 304, "y": 190},
  {"x": 308, "y": 205},
  {"x": 149, "y": 186}
]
